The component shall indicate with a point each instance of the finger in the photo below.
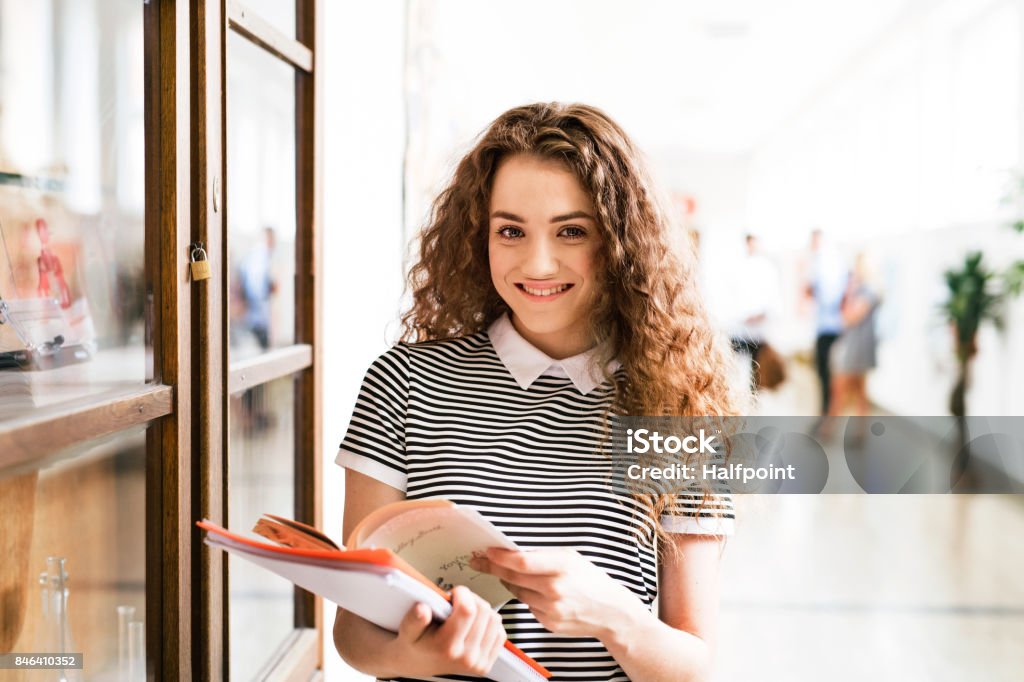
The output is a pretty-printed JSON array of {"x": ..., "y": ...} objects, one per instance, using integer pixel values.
[
  {"x": 499, "y": 571},
  {"x": 454, "y": 630},
  {"x": 539, "y": 562},
  {"x": 478, "y": 630},
  {"x": 493, "y": 643},
  {"x": 525, "y": 594},
  {"x": 414, "y": 623},
  {"x": 508, "y": 576},
  {"x": 481, "y": 660}
]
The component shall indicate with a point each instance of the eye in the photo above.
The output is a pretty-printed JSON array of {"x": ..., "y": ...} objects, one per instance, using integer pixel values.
[
  {"x": 510, "y": 232},
  {"x": 573, "y": 232}
]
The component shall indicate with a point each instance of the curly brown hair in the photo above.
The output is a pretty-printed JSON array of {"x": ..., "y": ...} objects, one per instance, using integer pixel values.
[{"x": 649, "y": 314}]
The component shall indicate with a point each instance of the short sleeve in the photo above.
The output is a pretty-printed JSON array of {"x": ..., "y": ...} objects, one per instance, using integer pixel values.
[
  {"x": 374, "y": 444},
  {"x": 693, "y": 515}
]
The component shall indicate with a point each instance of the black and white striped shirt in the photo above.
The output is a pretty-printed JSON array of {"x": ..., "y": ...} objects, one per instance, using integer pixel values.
[{"x": 490, "y": 422}]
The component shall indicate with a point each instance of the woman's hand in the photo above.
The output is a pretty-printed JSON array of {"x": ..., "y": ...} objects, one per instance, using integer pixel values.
[
  {"x": 467, "y": 643},
  {"x": 566, "y": 592}
]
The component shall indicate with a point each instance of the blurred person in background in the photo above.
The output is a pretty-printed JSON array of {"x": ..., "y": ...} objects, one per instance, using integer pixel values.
[
  {"x": 257, "y": 286},
  {"x": 756, "y": 293},
  {"x": 854, "y": 353},
  {"x": 825, "y": 286}
]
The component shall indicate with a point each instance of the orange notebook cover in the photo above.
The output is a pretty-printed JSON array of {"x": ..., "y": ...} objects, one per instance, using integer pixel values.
[{"x": 373, "y": 559}]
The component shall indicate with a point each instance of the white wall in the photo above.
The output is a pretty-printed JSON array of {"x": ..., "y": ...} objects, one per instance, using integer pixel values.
[
  {"x": 717, "y": 181},
  {"x": 906, "y": 154},
  {"x": 364, "y": 142}
]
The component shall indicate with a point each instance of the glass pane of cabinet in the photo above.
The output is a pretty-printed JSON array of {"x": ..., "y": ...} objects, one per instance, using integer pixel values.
[
  {"x": 260, "y": 199},
  {"x": 261, "y": 480},
  {"x": 73, "y": 567},
  {"x": 72, "y": 299}
]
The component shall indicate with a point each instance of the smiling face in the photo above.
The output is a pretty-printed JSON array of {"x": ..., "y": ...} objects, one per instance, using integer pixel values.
[{"x": 543, "y": 248}]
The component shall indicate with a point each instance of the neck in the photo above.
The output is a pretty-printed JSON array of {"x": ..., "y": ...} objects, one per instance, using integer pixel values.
[{"x": 557, "y": 345}]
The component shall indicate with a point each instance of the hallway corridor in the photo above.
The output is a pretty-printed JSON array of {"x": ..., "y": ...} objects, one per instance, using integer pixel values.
[{"x": 880, "y": 587}]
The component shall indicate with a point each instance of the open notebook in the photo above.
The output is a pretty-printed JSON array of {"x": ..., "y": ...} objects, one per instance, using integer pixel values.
[{"x": 377, "y": 583}]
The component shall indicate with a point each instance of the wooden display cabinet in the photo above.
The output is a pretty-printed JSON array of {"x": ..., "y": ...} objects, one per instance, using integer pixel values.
[{"x": 111, "y": 472}]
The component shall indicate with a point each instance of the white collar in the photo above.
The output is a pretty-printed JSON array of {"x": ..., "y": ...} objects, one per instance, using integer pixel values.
[{"x": 525, "y": 362}]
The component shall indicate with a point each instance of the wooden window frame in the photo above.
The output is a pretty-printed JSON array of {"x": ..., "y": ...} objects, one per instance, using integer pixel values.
[
  {"x": 300, "y": 656},
  {"x": 169, "y": 481}
]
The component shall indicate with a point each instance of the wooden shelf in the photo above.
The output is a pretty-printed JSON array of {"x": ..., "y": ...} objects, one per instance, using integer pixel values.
[
  {"x": 275, "y": 364},
  {"x": 37, "y": 439}
]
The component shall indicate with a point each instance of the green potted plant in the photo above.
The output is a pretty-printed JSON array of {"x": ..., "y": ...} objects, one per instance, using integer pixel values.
[{"x": 977, "y": 294}]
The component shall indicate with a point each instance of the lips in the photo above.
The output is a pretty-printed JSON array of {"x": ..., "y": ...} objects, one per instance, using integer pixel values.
[{"x": 542, "y": 292}]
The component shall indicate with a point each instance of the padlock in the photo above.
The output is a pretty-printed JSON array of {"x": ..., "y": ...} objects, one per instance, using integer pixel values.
[{"x": 199, "y": 266}]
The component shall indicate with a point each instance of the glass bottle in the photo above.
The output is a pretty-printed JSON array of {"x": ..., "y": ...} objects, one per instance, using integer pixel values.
[
  {"x": 55, "y": 618},
  {"x": 136, "y": 652},
  {"x": 125, "y": 614}
]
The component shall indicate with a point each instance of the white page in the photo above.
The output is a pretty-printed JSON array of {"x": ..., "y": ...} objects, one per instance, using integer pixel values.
[{"x": 439, "y": 542}]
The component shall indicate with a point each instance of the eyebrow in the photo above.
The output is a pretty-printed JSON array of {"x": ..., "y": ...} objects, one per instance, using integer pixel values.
[{"x": 505, "y": 215}]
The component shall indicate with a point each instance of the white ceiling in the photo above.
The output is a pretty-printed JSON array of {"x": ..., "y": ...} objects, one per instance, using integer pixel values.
[{"x": 702, "y": 76}]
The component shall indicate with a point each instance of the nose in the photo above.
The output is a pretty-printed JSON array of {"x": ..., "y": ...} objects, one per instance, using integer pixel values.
[{"x": 541, "y": 259}]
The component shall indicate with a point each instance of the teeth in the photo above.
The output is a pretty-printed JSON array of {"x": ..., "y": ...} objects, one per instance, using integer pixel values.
[{"x": 545, "y": 292}]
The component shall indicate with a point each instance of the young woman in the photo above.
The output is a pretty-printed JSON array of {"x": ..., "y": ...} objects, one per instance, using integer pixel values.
[
  {"x": 854, "y": 353},
  {"x": 547, "y": 295}
]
